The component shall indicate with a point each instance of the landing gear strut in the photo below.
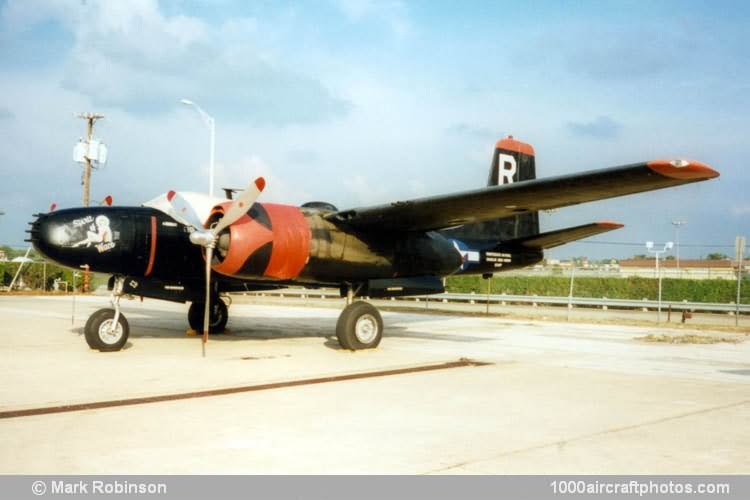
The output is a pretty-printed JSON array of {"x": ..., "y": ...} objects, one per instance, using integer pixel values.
[
  {"x": 107, "y": 329},
  {"x": 360, "y": 325}
]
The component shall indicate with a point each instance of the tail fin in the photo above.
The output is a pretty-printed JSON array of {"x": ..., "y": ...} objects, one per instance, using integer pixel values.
[{"x": 512, "y": 161}]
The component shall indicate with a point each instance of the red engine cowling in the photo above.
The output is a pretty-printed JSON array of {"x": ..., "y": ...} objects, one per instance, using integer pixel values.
[{"x": 271, "y": 241}]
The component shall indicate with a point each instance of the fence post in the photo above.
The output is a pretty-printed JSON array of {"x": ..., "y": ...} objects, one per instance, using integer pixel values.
[{"x": 570, "y": 293}]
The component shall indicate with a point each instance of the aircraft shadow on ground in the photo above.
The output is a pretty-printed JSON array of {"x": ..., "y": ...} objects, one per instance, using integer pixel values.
[{"x": 161, "y": 324}]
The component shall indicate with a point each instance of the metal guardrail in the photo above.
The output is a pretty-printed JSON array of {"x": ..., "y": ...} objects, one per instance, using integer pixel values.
[{"x": 528, "y": 299}]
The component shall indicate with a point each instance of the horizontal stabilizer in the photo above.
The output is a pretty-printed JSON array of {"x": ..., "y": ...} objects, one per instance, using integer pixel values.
[{"x": 559, "y": 237}]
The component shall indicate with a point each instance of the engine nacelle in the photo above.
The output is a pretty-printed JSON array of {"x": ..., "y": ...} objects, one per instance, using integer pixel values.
[{"x": 271, "y": 241}]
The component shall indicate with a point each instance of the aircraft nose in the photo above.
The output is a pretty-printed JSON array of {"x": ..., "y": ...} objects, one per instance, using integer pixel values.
[
  {"x": 50, "y": 237},
  {"x": 77, "y": 237},
  {"x": 37, "y": 227}
]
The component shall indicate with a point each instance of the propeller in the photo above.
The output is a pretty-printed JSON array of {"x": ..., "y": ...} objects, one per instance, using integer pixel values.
[
  {"x": 106, "y": 201},
  {"x": 206, "y": 237}
]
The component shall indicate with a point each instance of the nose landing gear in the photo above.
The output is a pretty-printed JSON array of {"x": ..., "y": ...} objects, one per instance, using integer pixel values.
[{"x": 107, "y": 329}]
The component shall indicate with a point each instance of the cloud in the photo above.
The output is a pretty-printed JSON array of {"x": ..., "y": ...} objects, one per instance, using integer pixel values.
[
  {"x": 248, "y": 168},
  {"x": 303, "y": 156},
  {"x": 474, "y": 131},
  {"x": 393, "y": 13},
  {"x": 741, "y": 211},
  {"x": 620, "y": 54},
  {"x": 18, "y": 16},
  {"x": 131, "y": 56},
  {"x": 603, "y": 127}
]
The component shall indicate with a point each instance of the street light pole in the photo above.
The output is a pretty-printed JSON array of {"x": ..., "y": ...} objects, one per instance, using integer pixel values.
[
  {"x": 211, "y": 124},
  {"x": 649, "y": 247}
]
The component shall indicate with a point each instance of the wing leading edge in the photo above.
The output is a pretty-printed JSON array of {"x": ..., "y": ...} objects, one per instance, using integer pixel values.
[{"x": 439, "y": 212}]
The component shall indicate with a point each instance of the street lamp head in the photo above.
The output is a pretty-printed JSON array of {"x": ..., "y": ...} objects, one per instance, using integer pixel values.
[
  {"x": 669, "y": 245},
  {"x": 649, "y": 245},
  {"x": 187, "y": 102}
]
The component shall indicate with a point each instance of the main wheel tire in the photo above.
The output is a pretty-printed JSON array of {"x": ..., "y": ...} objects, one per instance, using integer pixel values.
[
  {"x": 97, "y": 331},
  {"x": 359, "y": 327},
  {"x": 218, "y": 320}
]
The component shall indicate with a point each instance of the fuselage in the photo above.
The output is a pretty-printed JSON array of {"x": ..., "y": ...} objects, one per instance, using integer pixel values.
[{"x": 272, "y": 243}]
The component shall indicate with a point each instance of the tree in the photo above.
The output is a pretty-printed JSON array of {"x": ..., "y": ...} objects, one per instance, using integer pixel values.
[{"x": 717, "y": 256}]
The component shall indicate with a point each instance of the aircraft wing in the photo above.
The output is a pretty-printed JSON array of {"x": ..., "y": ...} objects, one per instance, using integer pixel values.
[
  {"x": 559, "y": 237},
  {"x": 439, "y": 212}
]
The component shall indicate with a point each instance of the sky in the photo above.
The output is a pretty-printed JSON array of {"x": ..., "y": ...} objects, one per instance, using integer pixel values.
[{"x": 359, "y": 102}]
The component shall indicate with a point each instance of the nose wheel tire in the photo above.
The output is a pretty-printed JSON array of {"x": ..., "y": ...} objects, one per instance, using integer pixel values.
[
  {"x": 99, "y": 332},
  {"x": 359, "y": 327},
  {"x": 218, "y": 320}
]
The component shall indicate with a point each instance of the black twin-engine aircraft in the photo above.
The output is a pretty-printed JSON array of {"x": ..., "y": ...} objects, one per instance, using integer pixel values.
[{"x": 189, "y": 247}]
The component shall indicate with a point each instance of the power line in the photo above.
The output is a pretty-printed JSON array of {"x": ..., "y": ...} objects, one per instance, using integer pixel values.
[{"x": 640, "y": 244}]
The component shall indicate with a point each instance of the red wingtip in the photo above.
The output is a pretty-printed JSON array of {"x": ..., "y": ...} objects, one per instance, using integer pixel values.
[
  {"x": 609, "y": 224},
  {"x": 170, "y": 195},
  {"x": 52, "y": 207},
  {"x": 108, "y": 200},
  {"x": 260, "y": 183},
  {"x": 683, "y": 169}
]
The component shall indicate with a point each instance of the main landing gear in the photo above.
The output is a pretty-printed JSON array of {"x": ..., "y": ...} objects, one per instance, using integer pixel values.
[
  {"x": 107, "y": 329},
  {"x": 359, "y": 326},
  {"x": 218, "y": 320}
]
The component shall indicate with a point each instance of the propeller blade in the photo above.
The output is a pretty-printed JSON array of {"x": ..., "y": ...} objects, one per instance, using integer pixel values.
[
  {"x": 241, "y": 205},
  {"x": 182, "y": 211},
  {"x": 107, "y": 201},
  {"x": 52, "y": 207},
  {"x": 207, "y": 311}
]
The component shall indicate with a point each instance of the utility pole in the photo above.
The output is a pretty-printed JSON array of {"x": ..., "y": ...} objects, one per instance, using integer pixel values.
[
  {"x": 92, "y": 153},
  {"x": 677, "y": 224}
]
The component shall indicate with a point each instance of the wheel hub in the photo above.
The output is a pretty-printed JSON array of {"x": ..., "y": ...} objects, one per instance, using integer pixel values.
[
  {"x": 107, "y": 334},
  {"x": 366, "y": 328}
]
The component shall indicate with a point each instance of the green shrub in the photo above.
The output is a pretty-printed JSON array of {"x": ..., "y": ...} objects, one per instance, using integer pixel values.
[{"x": 718, "y": 291}]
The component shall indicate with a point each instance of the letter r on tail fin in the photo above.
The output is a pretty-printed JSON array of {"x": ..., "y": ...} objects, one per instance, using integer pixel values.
[{"x": 507, "y": 168}]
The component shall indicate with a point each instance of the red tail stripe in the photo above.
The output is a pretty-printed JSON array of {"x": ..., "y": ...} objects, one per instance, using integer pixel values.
[{"x": 510, "y": 144}]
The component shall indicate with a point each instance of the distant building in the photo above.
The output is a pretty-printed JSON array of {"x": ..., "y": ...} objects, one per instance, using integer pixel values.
[
  {"x": 693, "y": 269},
  {"x": 3, "y": 256}
]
